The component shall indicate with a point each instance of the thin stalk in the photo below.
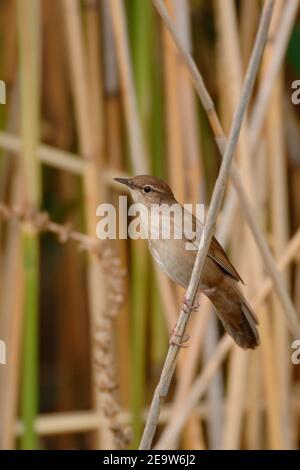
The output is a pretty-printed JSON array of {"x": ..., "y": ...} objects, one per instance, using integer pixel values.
[
  {"x": 280, "y": 230},
  {"x": 140, "y": 18},
  {"x": 193, "y": 158},
  {"x": 175, "y": 425},
  {"x": 233, "y": 72},
  {"x": 29, "y": 398},
  {"x": 29, "y": 23},
  {"x": 138, "y": 153},
  {"x": 156, "y": 144},
  {"x": 93, "y": 192},
  {"x": 114, "y": 148},
  {"x": 180, "y": 127},
  {"x": 51, "y": 156},
  {"x": 248, "y": 25},
  {"x": 11, "y": 306},
  {"x": 174, "y": 135},
  {"x": 140, "y": 165},
  {"x": 291, "y": 314},
  {"x": 218, "y": 193},
  {"x": 11, "y": 315},
  {"x": 139, "y": 292},
  {"x": 183, "y": 150},
  {"x": 281, "y": 41}
]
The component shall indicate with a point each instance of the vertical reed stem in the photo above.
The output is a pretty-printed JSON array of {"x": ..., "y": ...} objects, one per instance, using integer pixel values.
[{"x": 29, "y": 46}]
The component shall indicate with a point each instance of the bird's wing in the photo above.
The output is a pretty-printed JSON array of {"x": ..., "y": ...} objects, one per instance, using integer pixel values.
[{"x": 216, "y": 252}]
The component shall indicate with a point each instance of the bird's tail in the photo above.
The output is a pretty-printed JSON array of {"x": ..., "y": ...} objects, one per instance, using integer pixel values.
[{"x": 237, "y": 317}]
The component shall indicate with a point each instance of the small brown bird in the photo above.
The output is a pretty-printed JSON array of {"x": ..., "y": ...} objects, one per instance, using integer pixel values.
[{"x": 219, "y": 280}]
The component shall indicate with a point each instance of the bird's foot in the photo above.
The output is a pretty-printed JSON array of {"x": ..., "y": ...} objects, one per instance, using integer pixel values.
[
  {"x": 187, "y": 305},
  {"x": 176, "y": 342}
]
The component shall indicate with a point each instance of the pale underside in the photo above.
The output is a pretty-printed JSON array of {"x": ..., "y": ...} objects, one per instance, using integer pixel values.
[{"x": 176, "y": 257}]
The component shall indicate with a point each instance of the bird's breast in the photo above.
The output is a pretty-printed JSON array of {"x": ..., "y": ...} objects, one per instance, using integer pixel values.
[{"x": 173, "y": 259}]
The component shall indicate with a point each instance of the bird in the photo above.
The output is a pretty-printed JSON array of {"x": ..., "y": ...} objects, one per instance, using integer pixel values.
[{"x": 220, "y": 280}]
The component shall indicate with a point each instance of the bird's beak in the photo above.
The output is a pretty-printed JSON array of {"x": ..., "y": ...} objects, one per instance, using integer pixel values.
[{"x": 125, "y": 181}]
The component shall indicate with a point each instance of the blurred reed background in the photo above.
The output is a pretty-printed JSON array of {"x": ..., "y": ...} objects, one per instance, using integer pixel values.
[{"x": 97, "y": 89}]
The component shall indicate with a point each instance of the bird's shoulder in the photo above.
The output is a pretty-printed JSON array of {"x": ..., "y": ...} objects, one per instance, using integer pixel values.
[{"x": 215, "y": 252}]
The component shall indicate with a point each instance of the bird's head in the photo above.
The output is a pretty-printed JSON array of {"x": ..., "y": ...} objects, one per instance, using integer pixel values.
[{"x": 148, "y": 190}]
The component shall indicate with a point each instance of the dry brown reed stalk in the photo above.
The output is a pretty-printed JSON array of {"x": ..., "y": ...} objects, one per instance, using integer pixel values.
[
  {"x": 8, "y": 73},
  {"x": 95, "y": 73},
  {"x": 230, "y": 83},
  {"x": 89, "y": 148},
  {"x": 193, "y": 351},
  {"x": 182, "y": 146},
  {"x": 173, "y": 429},
  {"x": 226, "y": 231},
  {"x": 174, "y": 136},
  {"x": 11, "y": 318},
  {"x": 115, "y": 153},
  {"x": 232, "y": 73},
  {"x": 254, "y": 430},
  {"x": 138, "y": 153},
  {"x": 291, "y": 315},
  {"x": 140, "y": 162},
  {"x": 9, "y": 60},
  {"x": 279, "y": 237},
  {"x": 280, "y": 45},
  {"x": 276, "y": 436},
  {"x": 130, "y": 110},
  {"x": 11, "y": 307},
  {"x": 253, "y": 418},
  {"x": 11, "y": 325},
  {"x": 186, "y": 364},
  {"x": 194, "y": 184},
  {"x": 29, "y": 42},
  {"x": 62, "y": 159},
  {"x": 248, "y": 24},
  {"x": 140, "y": 165},
  {"x": 193, "y": 171},
  {"x": 71, "y": 335},
  {"x": 47, "y": 154},
  {"x": 88, "y": 420},
  {"x": 41, "y": 222},
  {"x": 114, "y": 276},
  {"x": 262, "y": 100},
  {"x": 104, "y": 357},
  {"x": 218, "y": 193},
  {"x": 190, "y": 361},
  {"x": 230, "y": 88}
]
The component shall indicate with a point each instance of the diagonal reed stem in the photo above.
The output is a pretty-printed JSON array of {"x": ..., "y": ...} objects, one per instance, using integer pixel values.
[
  {"x": 281, "y": 42},
  {"x": 262, "y": 245},
  {"x": 175, "y": 425},
  {"x": 218, "y": 193}
]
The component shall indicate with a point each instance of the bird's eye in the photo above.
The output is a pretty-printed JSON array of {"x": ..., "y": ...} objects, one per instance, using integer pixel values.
[{"x": 147, "y": 189}]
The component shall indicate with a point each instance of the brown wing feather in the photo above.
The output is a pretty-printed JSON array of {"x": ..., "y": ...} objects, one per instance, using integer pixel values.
[{"x": 217, "y": 253}]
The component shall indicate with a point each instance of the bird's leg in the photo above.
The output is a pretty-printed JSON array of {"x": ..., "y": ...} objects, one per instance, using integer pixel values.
[
  {"x": 187, "y": 305},
  {"x": 175, "y": 342}
]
